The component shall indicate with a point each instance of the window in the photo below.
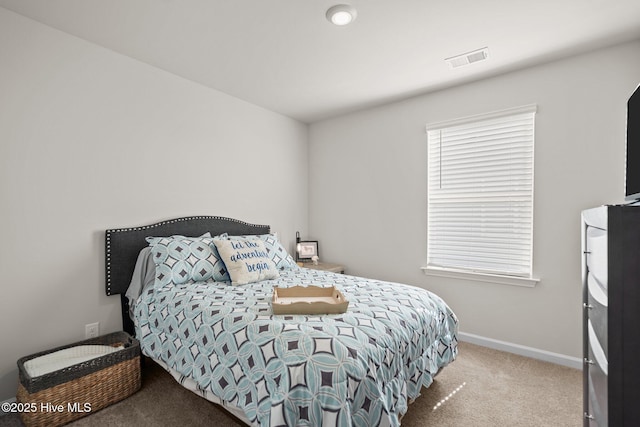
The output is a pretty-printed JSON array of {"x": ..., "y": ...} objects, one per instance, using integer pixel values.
[{"x": 480, "y": 194}]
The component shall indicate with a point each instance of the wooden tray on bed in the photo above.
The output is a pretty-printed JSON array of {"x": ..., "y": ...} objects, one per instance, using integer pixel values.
[{"x": 308, "y": 300}]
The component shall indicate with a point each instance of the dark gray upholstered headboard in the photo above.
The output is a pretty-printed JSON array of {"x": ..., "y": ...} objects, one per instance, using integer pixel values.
[{"x": 122, "y": 246}]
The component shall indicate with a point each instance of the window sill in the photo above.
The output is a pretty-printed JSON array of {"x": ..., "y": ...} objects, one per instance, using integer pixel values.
[{"x": 481, "y": 277}]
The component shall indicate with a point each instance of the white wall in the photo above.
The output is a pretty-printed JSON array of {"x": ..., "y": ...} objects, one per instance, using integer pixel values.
[
  {"x": 90, "y": 140},
  {"x": 368, "y": 189}
]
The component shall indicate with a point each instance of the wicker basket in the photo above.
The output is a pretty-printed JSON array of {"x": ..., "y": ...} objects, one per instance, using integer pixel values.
[{"x": 65, "y": 395}]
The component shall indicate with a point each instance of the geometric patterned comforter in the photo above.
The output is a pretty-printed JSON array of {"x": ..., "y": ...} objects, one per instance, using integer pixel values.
[{"x": 359, "y": 368}]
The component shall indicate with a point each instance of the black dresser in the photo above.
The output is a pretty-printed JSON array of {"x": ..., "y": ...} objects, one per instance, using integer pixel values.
[{"x": 611, "y": 315}]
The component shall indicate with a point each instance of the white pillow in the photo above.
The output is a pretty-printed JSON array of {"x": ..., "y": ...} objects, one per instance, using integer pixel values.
[{"x": 247, "y": 261}]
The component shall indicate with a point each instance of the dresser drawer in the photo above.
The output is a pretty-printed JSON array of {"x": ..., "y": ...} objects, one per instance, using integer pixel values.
[
  {"x": 596, "y": 247},
  {"x": 598, "y": 392},
  {"x": 597, "y": 312},
  {"x": 596, "y": 352}
]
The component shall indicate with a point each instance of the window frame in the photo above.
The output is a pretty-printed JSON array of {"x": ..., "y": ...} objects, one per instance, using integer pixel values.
[{"x": 501, "y": 277}]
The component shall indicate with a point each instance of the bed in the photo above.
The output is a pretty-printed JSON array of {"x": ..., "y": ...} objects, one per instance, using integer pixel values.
[{"x": 211, "y": 326}]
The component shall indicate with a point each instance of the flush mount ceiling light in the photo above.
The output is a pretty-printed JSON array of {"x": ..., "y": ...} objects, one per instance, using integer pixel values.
[
  {"x": 468, "y": 58},
  {"x": 341, "y": 14}
]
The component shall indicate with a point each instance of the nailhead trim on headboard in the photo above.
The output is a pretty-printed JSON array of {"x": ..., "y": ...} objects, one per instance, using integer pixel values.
[{"x": 109, "y": 232}]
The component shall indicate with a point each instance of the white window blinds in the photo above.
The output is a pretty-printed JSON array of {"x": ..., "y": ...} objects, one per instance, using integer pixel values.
[{"x": 480, "y": 193}]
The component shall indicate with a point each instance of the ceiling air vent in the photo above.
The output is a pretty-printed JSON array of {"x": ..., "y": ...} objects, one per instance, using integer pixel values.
[{"x": 468, "y": 58}]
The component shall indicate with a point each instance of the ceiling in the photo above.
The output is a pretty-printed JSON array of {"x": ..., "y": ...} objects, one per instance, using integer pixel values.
[{"x": 285, "y": 56}]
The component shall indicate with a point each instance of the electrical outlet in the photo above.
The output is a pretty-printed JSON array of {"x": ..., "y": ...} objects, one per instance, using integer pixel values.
[{"x": 92, "y": 330}]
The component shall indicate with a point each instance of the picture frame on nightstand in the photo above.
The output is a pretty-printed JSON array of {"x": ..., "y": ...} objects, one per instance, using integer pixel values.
[{"x": 306, "y": 250}]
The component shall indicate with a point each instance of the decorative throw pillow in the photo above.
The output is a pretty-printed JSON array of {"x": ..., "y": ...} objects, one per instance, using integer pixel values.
[
  {"x": 180, "y": 259},
  {"x": 277, "y": 253},
  {"x": 247, "y": 260}
]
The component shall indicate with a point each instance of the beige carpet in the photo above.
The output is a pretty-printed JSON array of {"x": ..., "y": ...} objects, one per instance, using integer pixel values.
[{"x": 492, "y": 388}]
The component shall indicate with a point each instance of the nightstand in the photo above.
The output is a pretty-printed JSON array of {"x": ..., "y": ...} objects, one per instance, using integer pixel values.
[{"x": 325, "y": 266}]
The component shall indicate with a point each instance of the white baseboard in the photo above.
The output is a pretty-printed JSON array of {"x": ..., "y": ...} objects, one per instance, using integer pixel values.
[
  {"x": 12, "y": 400},
  {"x": 534, "y": 353}
]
